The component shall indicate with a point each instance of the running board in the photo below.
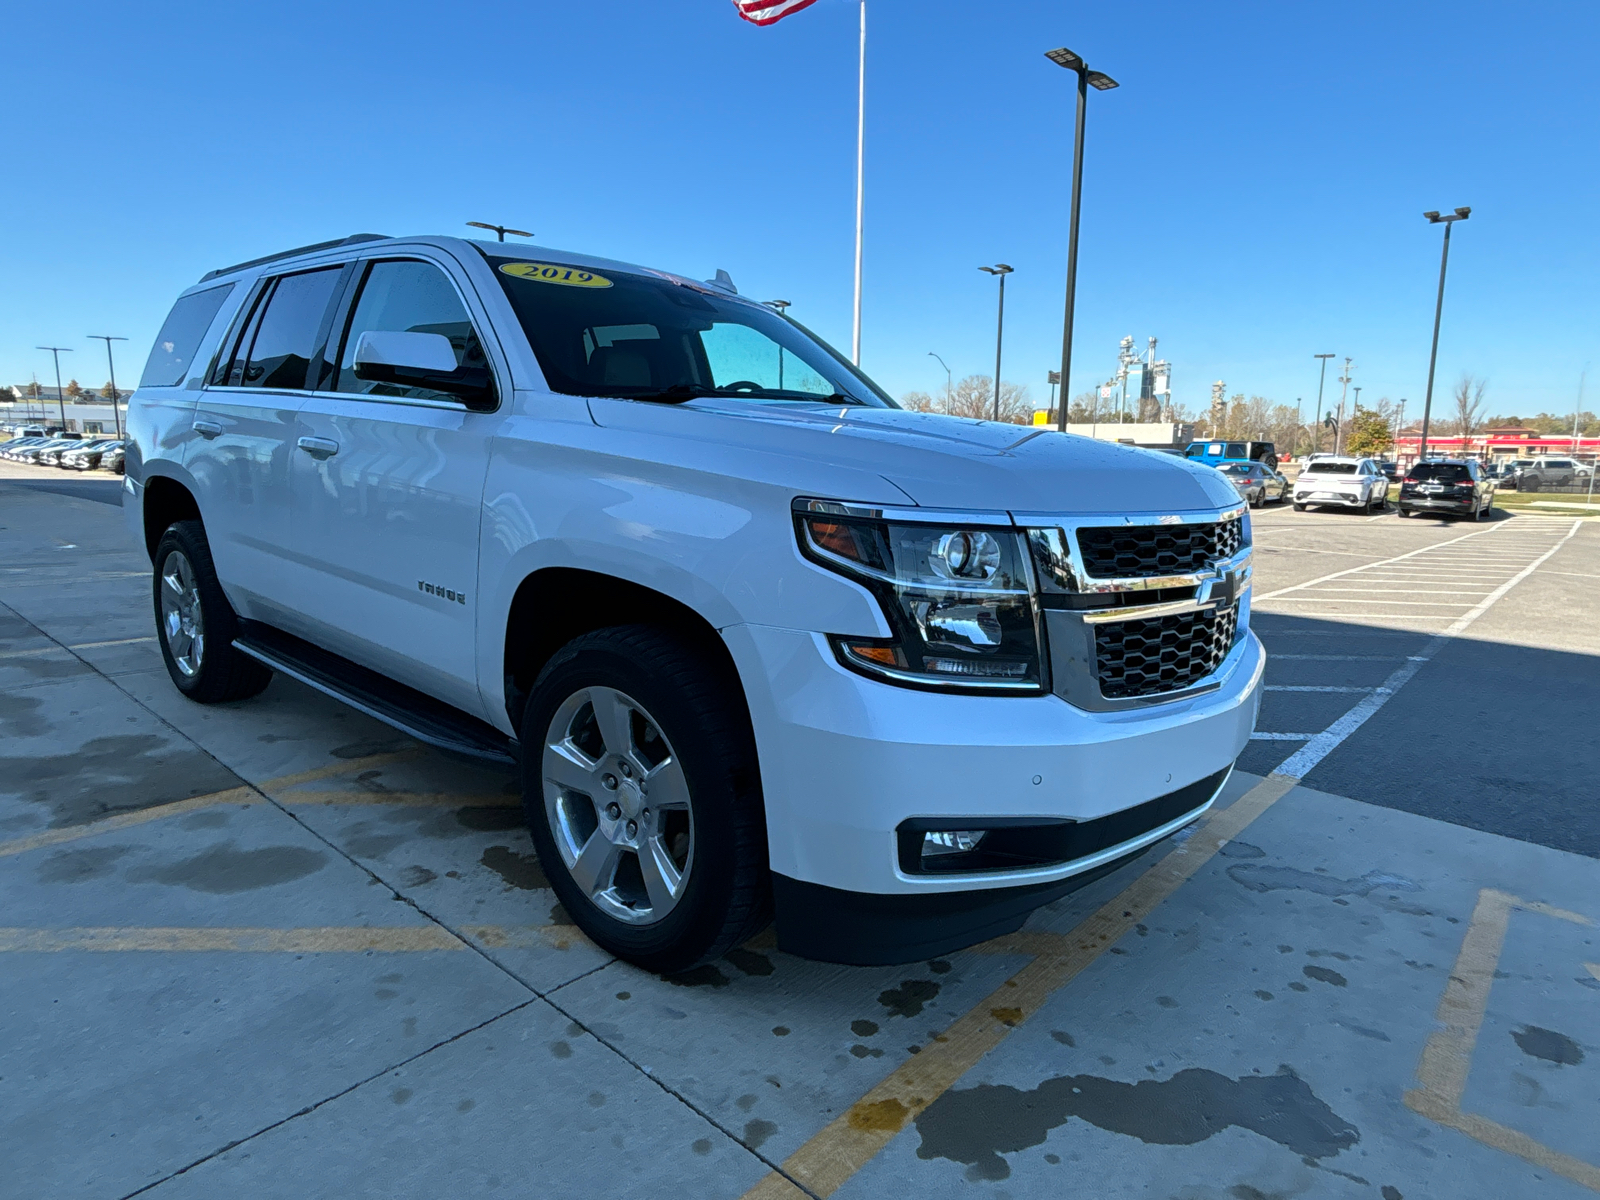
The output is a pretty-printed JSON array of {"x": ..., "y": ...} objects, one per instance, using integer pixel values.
[{"x": 406, "y": 709}]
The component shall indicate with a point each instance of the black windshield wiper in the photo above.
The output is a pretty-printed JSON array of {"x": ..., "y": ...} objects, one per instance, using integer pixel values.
[{"x": 676, "y": 394}]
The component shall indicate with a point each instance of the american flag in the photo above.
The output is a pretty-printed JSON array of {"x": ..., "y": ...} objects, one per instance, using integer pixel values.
[{"x": 768, "y": 12}]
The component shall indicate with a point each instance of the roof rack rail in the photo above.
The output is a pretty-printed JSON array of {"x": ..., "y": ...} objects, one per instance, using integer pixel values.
[{"x": 256, "y": 262}]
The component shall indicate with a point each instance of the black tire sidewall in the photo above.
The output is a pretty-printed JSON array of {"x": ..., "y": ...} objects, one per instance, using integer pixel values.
[
  {"x": 711, "y": 741},
  {"x": 221, "y": 676}
]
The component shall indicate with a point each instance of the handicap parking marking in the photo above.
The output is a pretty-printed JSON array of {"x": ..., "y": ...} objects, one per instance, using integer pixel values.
[{"x": 1446, "y": 1060}]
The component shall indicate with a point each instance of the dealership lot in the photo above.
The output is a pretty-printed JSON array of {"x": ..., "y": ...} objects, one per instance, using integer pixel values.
[{"x": 276, "y": 949}]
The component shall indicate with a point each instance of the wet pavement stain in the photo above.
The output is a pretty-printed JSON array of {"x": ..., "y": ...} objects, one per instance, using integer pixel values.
[
  {"x": 518, "y": 870},
  {"x": 372, "y": 746},
  {"x": 749, "y": 962},
  {"x": 907, "y": 999},
  {"x": 1241, "y": 850},
  {"x": 1272, "y": 879},
  {"x": 1376, "y": 1035},
  {"x": 707, "y": 976},
  {"x": 757, "y": 1132},
  {"x": 976, "y": 1125},
  {"x": 1538, "y": 1042},
  {"x": 19, "y": 716},
  {"x": 80, "y": 866},
  {"x": 1062, "y": 1036},
  {"x": 1324, "y": 975},
  {"x": 863, "y": 1028},
  {"x": 222, "y": 869},
  {"x": 139, "y": 770},
  {"x": 417, "y": 875},
  {"x": 489, "y": 819},
  {"x": 880, "y": 1116}
]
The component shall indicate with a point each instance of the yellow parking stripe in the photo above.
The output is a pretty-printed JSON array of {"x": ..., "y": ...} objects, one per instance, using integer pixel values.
[
  {"x": 826, "y": 1162},
  {"x": 412, "y": 799},
  {"x": 156, "y": 812}
]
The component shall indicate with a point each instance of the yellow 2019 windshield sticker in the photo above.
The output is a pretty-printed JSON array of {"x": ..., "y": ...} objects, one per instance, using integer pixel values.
[{"x": 549, "y": 273}]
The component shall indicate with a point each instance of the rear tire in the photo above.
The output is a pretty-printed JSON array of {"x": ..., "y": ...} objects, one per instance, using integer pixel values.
[
  {"x": 196, "y": 625},
  {"x": 655, "y": 845}
]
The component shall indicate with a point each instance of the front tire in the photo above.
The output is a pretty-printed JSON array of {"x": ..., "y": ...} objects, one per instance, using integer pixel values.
[
  {"x": 196, "y": 625},
  {"x": 642, "y": 792}
]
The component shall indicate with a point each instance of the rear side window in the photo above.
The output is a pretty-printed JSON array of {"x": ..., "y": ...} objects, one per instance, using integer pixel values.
[
  {"x": 407, "y": 296},
  {"x": 286, "y": 334},
  {"x": 1440, "y": 473},
  {"x": 180, "y": 336}
]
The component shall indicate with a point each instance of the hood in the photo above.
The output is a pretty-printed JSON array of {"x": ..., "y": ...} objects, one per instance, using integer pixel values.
[{"x": 939, "y": 461}]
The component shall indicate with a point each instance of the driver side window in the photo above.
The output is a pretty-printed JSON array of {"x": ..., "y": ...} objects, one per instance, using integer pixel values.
[{"x": 411, "y": 297}]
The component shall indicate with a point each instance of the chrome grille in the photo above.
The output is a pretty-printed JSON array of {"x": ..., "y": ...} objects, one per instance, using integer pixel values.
[
  {"x": 1146, "y": 551},
  {"x": 1162, "y": 654}
]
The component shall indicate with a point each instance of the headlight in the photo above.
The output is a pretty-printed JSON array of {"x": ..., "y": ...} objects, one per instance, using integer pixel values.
[{"x": 957, "y": 598}]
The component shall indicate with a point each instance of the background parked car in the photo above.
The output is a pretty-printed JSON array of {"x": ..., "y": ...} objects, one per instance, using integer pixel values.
[
  {"x": 16, "y": 446},
  {"x": 1453, "y": 486},
  {"x": 30, "y": 454},
  {"x": 1341, "y": 482},
  {"x": 113, "y": 459},
  {"x": 1218, "y": 452},
  {"x": 1549, "y": 472},
  {"x": 87, "y": 458},
  {"x": 50, "y": 456},
  {"x": 1256, "y": 482}
]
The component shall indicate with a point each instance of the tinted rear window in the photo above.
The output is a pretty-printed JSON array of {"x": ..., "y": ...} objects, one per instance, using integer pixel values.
[
  {"x": 1330, "y": 468},
  {"x": 180, "y": 337},
  {"x": 1440, "y": 473},
  {"x": 287, "y": 333}
]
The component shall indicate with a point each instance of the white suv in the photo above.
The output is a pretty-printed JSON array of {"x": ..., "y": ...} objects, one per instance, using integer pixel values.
[
  {"x": 1348, "y": 482},
  {"x": 758, "y": 638}
]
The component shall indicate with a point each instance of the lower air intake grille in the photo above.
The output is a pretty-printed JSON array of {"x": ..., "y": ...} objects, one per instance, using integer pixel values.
[{"x": 1162, "y": 654}]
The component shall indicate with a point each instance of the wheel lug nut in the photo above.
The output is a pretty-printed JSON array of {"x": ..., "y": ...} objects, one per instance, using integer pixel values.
[
  {"x": 633, "y": 828},
  {"x": 613, "y": 811},
  {"x": 609, "y": 782},
  {"x": 627, "y": 771},
  {"x": 645, "y": 815}
]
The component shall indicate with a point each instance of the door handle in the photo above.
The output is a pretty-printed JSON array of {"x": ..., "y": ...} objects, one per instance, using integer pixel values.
[
  {"x": 319, "y": 447},
  {"x": 207, "y": 429}
]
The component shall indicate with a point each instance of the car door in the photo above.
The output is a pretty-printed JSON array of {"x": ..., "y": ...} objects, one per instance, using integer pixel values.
[
  {"x": 388, "y": 489},
  {"x": 245, "y": 422}
]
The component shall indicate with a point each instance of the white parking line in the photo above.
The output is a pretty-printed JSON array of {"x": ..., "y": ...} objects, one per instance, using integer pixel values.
[
  {"x": 1281, "y": 737},
  {"x": 1303, "y": 760},
  {"x": 1300, "y": 587},
  {"x": 1337, "y": 657}
]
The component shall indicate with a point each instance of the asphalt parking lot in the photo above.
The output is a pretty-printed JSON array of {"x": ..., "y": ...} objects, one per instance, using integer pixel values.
[{"x": 275, "y": 949}]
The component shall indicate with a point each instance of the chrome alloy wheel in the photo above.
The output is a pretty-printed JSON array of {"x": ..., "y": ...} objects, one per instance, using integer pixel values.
[
  {"x": 617, "y": 802},
  {"x": 182, "y": 625}
]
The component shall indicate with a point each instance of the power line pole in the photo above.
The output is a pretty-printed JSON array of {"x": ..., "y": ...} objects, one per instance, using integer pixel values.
[
  {"x": 1461, "y": 214},
  {"x": 1338, "y": 432},
  {"x": 61, "y": 399}
]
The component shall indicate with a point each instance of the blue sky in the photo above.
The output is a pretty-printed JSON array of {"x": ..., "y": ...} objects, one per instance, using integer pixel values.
[{"x": 1253, "y": 192}]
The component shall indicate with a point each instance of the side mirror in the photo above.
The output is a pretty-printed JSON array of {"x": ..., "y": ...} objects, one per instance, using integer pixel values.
[{"x": 421, "y": 360}]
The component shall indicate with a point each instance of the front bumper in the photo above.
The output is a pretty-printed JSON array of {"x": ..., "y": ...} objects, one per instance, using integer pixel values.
[{"x": 846, "y": 759}]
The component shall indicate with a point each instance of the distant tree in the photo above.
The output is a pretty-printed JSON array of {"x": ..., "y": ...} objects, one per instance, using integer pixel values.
[
  {"x": 108, "y": 392},
  {"x": 1468, "y": 399},
  {"x": 1369, "y": 433},
  {"x": 1084, "y": 409},
  {"x": 73, "y": 390},
  {"x": 33, "y": 392},
  {"x": 974, "y": 397},
  {"x": 919, "y": 402}
]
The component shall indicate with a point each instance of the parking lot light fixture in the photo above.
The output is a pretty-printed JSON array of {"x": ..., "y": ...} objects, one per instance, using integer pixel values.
[
  {"x": 1322, "y": 378},
  {"x": 1001, "y": 270},
  {"x": 1071, "y": 61},
  {"x": 116, "y": 414},
  {"x": 948, "y": 387},
  {"x": 61, "y": 398},
  {"x": 1461, "y": 214}
]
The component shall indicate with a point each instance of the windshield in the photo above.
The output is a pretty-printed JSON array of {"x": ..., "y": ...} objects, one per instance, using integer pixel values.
[
  {"x": 1330, "y": 468},
  {"x": 1440, "y": 472},
  {"x": 653, "y": 337}
]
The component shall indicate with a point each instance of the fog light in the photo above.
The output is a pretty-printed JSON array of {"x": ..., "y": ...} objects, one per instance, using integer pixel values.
[{"x": 950, "y": 841}]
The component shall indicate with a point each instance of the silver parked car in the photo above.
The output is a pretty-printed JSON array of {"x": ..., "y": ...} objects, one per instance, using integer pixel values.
[{"x": 1256, "y": 482}]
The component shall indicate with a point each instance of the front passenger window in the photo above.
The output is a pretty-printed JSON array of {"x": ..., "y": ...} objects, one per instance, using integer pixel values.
[{"x": 408, "y": 297}]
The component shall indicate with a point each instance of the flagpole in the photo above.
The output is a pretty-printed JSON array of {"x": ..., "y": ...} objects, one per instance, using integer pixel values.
[{"x": 861, "y": 135}]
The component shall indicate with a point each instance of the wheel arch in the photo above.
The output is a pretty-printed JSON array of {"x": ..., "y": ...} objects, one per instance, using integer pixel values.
[
  {"x": 553, "y": 605},
  {"x": 165, "y": 500}
]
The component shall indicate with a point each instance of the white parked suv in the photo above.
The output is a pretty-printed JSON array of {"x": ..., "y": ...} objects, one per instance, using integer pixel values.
[
  {"x": 1347, "y": 482},
  {"x": 759, "y": 639}
]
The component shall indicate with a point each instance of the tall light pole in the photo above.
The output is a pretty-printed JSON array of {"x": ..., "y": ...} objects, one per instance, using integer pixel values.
[
  {"x": 61, "y": 400},
  {"x": 1322, "y": 378},
  {"x": 1063, "y": 57},
  {"x": 948, "y": 387},
  {"x": 1461, "y": 214},
  {"x": 116, "y": 415},
  {"x": 1344, "y": 390},
  {"x": 1001, "y": 270},
  {"x": 499, "y": 230}
]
